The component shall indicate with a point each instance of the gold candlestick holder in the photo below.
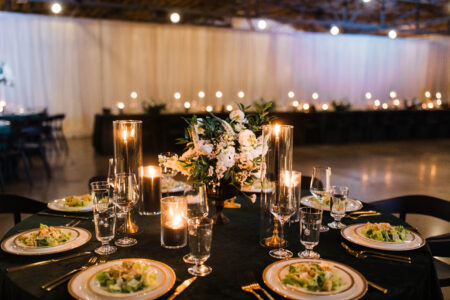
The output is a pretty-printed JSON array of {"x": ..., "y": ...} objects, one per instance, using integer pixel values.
[
  {"x": 275, "y": 240},
  {"x": 129, "y": 226}
]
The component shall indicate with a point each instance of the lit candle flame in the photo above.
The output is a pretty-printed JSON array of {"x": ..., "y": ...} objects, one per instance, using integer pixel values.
[
  {"x": 124, "y": 135},
  {"x": 277, "y": 129},
  {"x": 132, "y": 133},
  {"x": 175, "y": 219}
]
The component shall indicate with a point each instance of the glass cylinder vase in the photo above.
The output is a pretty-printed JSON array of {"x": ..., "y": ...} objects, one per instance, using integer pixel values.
[
  {"x": 173, "y": 222},
  {"x": 276, "y": 166}
]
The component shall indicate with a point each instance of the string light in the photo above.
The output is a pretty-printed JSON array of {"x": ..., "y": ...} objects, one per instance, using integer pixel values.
[
  {"x": 368, "y": 95},
  {"x": 377, "y": 102},
  {"x": 438, "y": 95},
  {"x": 334, "y": 30},
  {"x": 241, "y": 94},
  {"x": 175, "y": 17},
  {"x": 428, "y": 94},
  {"x": 133, "y": 95},
  {"x": 305, "y": 106},
  {"x": 396, "y": 102},
  {"x": 393, "y": 94},
  {"x": 315, "y": 96},
  {"x": 229, "y": 107},
  {"x": 325, "y": 106},
  {"x": 295, "y": 103},
  {"x": 424, "y": 105},
  {"x": 201, "y": 94},
  {"x": 262, "y": 24},
  {"x": 120, "y": 105},
  {"x": 291, "y": 94},
  {"x": 430, "y": 105},
  {"x": 392, "y": 34},
  {"x": 219, "y": 94},
  {"x": 56, "y": 8},
  {"x": 187, "y": 104},
  {"x": 209, "y": 108},
  {"x": 177, "y": 95},
  {"x": 384, "y": 106},
  {"x": 439, "y": 102}
]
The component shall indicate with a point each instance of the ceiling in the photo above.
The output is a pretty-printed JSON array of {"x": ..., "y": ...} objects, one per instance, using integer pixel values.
[{"x": 407, "y": 17}]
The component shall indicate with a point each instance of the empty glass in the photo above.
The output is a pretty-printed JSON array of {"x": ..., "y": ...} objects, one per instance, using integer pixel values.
[
  {"x": 200, "y": 238},
  {"x": 104, "y": 216},
  {"x": 310, "y": 222},
  {"x": 339, "y": 196},
  {"x": 126, "y": 194},
  {"x": 197, "y": 206},
  {"x": 111, "y": 177},
  {"x": 320, "y": 187}
]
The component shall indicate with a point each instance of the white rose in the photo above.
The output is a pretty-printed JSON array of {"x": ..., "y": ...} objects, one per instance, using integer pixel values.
[
  {"x": 238, "y": 116},
  {"x": 204, "y": 147},
  {"x": 226, "y": 157},
  {"x": 247, "y": 138}
]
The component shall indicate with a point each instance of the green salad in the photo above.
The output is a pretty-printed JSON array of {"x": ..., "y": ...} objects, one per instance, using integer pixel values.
[
  {"x": 385, "y": 232},
  {"x": 130, "y": 277},
  {"x": 78, "y": 201},
  {"x": 316, "y": 277},
  {"x": 46, "y": 236}
]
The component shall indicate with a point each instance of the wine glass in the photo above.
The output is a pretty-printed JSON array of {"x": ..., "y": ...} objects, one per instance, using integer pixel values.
[
  {"x": 310, "y": 222},
  {"x": 320, "y": 188},
  {"x": 200, "y": 238},
  {"x": 126, "y": 194},
  {"x": 339, "y": 196},
  {"x": 197, "y": 206},
  {"x": 110, "y": 179},
  {"x": 104, "y": 216},
  {"x": 283, "y": 206}
]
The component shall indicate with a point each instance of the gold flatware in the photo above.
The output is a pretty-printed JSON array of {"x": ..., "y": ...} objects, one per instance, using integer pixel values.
[
  {"x": 363, "y": 212},
  {"x": 61, "y": 279},
  {"x": 251, "y": 283},
  {"x": 45, "y": 262},
  {"x": 76, "y": 223},
  {"x": 184, "y": 285},
  {"x": 377, "y": 253},
  {"x": 376, "y": 286},
  {"x": 61, "y": 216},
  {"x": 362, "y": 216},
  {"x": 361, "y": 254},
  {"x": 250, "y": 290},
  {"x": 69, "y": 223}
]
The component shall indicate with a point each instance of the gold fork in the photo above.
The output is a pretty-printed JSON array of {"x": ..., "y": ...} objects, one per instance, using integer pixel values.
[
  {"x": 250, "y": 290},
  {"x": 362, "y": 216},
  {"x": 256, "y": 286},
  {"x": 366, "y": 254},
  {"x": 56, "y": 282}
]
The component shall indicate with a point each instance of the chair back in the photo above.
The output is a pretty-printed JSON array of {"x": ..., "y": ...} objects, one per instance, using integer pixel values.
[
  {"x": 417, "y": 204},
  {"x": 14, "y": 204}
]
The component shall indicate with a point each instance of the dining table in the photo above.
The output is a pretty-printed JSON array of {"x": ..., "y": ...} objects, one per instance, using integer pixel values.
[{"x": 235, "y": 250}]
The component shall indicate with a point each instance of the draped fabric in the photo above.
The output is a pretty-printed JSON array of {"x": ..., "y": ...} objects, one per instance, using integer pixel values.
[{"x": 78, "y": 66}]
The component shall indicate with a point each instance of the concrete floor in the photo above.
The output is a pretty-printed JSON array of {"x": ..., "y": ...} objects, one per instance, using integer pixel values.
[{"x": 372, "y": 171}]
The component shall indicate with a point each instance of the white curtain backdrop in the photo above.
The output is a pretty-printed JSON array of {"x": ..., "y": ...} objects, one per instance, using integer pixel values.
[{"x": 78, "y": 66}]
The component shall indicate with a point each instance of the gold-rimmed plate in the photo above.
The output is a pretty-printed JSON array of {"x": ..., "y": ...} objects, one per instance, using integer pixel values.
[
  {"x": 354, "y": 285},
  {"x": 61, "y": 205},
  {"x": 353, "y": 234},
  {"x": 84, "y": 286},
  {"x": 74, "y": 234},
  {"x": 9, "y": 245},
  {"x": 351, "y": 204}
]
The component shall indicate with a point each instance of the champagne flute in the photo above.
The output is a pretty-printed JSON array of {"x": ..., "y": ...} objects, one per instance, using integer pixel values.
[
  {"x": 320, "y": 188},
  {"x": 126, "y": 194},
  {"x": 339, "y": 196},
  {"x": 197, "y": 207},
  {"x": 283, "y": 206},
  {"x": 310, "y": 222}
]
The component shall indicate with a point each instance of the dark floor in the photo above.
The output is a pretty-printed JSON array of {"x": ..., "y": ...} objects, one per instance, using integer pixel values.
[{"x": 372, "y": 171}]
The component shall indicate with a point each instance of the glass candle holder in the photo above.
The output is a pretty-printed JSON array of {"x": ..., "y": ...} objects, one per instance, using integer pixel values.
[
  {"x": 276, "y": 160},
  {"x": 151, "y": 191},
  {"x": 173, "y": 222}
]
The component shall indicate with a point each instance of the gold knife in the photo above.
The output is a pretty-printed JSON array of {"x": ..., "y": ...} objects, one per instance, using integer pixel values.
[
  {"x": 62, "y": 216},
  {"x": 45, "y": 262},
  {"x": 182, "y": 287}
]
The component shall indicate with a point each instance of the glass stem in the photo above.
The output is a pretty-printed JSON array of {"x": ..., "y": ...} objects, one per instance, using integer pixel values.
[{"x": 281, "y": 234}]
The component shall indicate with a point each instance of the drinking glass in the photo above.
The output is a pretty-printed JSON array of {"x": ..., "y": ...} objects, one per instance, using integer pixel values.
[
  {"x": 111, "y": 177},
  {"x": 320, "y": 187},
  {"x": 310, "y": 222},
  {"x": 104, "y": 216},
  {"x": 197, "y": 206},
  {"x": 339, "y": 196},
  {"x": 167, "y": 172},
  {"x": 283, "y": 207},
  {"x": 200, "y": 237},
  {"x": 126, "y": 194}
]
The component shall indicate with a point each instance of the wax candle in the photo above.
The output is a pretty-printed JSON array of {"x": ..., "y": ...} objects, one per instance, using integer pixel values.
[
  {"x": 151, "y": 201},
  {"x": 173, "y": 222}
]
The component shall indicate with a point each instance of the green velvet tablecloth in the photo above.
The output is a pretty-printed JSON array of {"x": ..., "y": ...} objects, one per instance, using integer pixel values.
[{"x": 235, "y": 249}]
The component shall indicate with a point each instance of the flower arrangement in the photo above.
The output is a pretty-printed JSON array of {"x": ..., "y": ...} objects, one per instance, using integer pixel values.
[
  {"x": 222, "y": 151},
  {"x": 6, "y": 76},
  {"x": 153, "y": 107}
]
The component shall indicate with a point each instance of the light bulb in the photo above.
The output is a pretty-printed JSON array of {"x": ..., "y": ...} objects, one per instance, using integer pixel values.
[
  {"x": 393, "y": 94},
  {"x": 56, "y": 8},
  {"x": 201, "y": 94},
  {"x": 325, "y": 106},
  {"x": 291, "y": 94},
  {"x": 175, "y": 17},
  {"x": 428, "y": 94},
  {"x": 120, "y": 105},
  {"x": 229, "y": 107},
  {"x": 262, "y": 24},
  {"x": 368, "y": 95},
  {"x": 334, "y": 30},
  {"x": 305, "y": 106},
  {"x": 315, "y": 96},
  {"x": 209, "y": 108},
  {"x": 219, "y": 94},
  {"x": 133, "y": 95},
  {"x": 241, "y": 94},
  {"x": 177, "y": 95},
  {"x": 384, "y": 106},
  {"x": 295, "y": 103},
  {"x": 377, "y": 102},
  {"x": 438, "y": 95},
  {"x": 392, "y": 34},
  {"x": 187, "y": 104}
]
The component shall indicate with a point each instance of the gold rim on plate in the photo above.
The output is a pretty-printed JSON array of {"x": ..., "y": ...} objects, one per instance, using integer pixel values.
[
  {"x": 168, "y": 269},
  {"x": 268, "y": 284}
]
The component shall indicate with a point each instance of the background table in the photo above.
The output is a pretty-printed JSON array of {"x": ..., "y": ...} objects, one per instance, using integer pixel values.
[
  {"x": 161, "y": 131},
  {"x": 235, "y": 249}
]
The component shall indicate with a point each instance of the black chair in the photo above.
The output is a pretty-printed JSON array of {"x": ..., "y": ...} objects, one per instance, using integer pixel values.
[
  {"x": 424, "y": 205},
  {"x": 14, "y": 204}
]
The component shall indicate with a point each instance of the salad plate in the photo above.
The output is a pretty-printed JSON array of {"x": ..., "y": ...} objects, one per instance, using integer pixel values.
[
  {"x": 28, "y": 243},
  {"x": 299, "y": 278},
  {"x": 256, "y": 187},
  {"x": 172, "y": 186},
  {"x": 311, "y": 201},
  {"x": 81, "y": 203},
  {"x": 132, "y": 278},
  {"x": 360, "y": 234}
]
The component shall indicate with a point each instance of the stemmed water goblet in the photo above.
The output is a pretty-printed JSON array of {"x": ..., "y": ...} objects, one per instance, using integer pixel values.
[
  {"x": 126, "y": 194},
  {"x": 200, "y": 238},
  {"x": 310, "y": 222},
  {"x": 104, "y": 216},
  {"x": 320, "y": 188},
  {"x": 197, "y": 206},
  {"x": 167, "y": 172},
  {"x": 339, "y": 196}
]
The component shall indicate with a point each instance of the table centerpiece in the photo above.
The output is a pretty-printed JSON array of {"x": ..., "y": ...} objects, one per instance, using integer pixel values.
[{"x": 223, "y": 154}]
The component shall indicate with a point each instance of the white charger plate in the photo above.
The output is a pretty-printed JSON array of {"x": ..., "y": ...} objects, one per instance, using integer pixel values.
[
  {"x": 310, "y": 201},
  {"x": 353, "y": 234},
  {"x": 84, "y": 286},
  {"x": 60, "y": 205},
  {"x": 10, "y": 244},
  {"x": 354, "y": 288}
]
